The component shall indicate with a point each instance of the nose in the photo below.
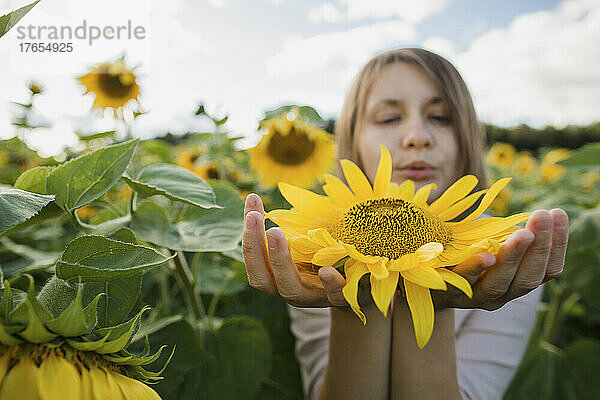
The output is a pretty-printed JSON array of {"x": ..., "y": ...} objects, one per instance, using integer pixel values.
[{"x": 417, "y": 136}]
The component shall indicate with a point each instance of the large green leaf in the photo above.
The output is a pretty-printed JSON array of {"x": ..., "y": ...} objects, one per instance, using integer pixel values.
[
  {"x": 9, "y": 20},
  {"x": 305, "y": 113},
  {"x": 176, "y": 183},
  {"x": 17, "y": 206},
  {"x": 96, "y": 258},
  {"x": 234, "y": 365},
  {"x": 584, "y": 232},
  {"x": 86, "y": 178},
  {"x": 119, "y": 301},
  {"x": 189, "y": 228},
  {"x": 33, "y": 180},
  {"x": 582, "y": 274},
  {"x": 587, "y": 156}
]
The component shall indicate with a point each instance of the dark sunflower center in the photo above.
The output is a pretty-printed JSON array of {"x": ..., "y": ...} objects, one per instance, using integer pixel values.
[
  {"x": 115, "y": 84},
  {"x": 291, "y": 149},
  {"x": 389, "y": 228}
]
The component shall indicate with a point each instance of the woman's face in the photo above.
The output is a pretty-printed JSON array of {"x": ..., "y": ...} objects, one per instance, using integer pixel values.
[{"x": 405, "y": 113}]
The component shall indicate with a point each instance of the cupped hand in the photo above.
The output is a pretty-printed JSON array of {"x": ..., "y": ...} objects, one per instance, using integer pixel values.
[
  {"x": 273, "y": 271},
  {"x": 528, "y": 258}
]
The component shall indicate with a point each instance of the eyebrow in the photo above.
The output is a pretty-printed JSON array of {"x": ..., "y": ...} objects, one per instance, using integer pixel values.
[{"x": 397, "y": 102}]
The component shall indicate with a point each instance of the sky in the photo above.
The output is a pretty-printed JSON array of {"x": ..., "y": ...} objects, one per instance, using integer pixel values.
[{"x": 533, "y": 61}]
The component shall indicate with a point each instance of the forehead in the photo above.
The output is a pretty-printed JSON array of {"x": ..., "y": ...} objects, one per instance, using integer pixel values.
[{"x": 404, "y": 82}]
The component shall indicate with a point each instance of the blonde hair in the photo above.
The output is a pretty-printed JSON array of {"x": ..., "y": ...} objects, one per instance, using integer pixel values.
[{"x": 470, "y": 132}]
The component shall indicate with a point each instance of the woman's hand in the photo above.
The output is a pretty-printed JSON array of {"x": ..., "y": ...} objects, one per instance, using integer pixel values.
[
  {"x": 528, "y": 258},
  {"x": 273, "y": 271}
]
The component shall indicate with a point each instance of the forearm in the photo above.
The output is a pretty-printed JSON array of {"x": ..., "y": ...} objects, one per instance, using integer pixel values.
[
  {"x": 427, "y": 373},
  {"x": 359, "y": 356}
]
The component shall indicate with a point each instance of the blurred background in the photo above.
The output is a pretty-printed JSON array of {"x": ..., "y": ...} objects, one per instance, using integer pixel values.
[{"x": 207, "y": 80}]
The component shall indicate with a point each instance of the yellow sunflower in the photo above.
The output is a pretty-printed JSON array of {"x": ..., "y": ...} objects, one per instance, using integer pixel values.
[
  {"x": 292, "y": 151},
  {"x": 550, "y": 171},
  {"x": 389, "y": 231},
  {"x": 501, "y": 155},
  {"x": 113, "y": 85},
  {"x": 524, "y": 164}
]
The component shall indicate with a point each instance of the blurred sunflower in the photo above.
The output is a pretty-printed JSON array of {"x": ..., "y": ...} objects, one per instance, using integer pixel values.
[
  {"x": 501, "y": 202},
  {"x": 292, "y": 151},
  {"x": 501, "y": 155},
  {"x": 113, "y": 84},
  {"x": 389, "y": 231},
  {"x": 589, "y": 180},
  {"x": 524, "y": 164},
  {"x": 86, "y": 212},
  {"x": 549, "y": 170}
]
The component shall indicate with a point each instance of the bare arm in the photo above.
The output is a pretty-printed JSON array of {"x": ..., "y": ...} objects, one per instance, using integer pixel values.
[
  {"x": 359, "y": 356},
  {"x": 428, "y": 373}
]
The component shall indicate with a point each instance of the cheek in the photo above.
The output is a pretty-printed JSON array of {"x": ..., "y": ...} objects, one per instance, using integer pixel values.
[{"x": 368, "y": 149}]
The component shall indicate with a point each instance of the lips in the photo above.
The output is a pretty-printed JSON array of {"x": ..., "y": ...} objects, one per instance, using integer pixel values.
[{"x": 417, "y": 171}]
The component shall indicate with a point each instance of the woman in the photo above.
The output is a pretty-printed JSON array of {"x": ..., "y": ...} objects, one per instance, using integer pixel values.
[{"x": 416, "y": 104}]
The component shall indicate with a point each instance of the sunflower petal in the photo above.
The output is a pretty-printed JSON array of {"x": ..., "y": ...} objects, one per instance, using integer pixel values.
[
  {"x": 134, "y": 389},
  {"x": 488, "y": 198},
  {"x": 338, "y": 192},
  {"x": 22, "y": 379},
  {"x": 378, "y": 269},
  {"x": 457, "y": 191},
  {"x": 322, "y": 237},
  {"x": 406, "y": 190},
  {"x": 421, "y": 309},
  {"x": 355, "y": 254},
  {"x": 384, "y": 174},
  {"x": 422, "y": 194},
  {"x": 59, "y": 379},
  {"x": 426, "y": 277},
  {"x": 306, "y": 201},
  {"x": 295, "y": 220},
  {"x": 328, "y": 256},
  {"x": 460, "y": 206},
  {"x": 456, "y": 280},
  {"x": 429, "y": 251},
  {"x": 489, "y": 245},
  {"x": 405, "y": 262},
  {"x": 354, "y": 271},
  {"x": 382, "y": 291},
  {"x": 357, "y": 180},
  {"x": 491, "y": 227}
]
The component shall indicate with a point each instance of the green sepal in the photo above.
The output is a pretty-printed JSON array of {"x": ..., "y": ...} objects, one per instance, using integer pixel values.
[
  {"x": 133, "y": 359},
  {"x": 122, "y": 333},
  {"x": 22, "y": 313},
  {"x": 76, "y": 320},
  {"x": 87, "y": 345},
  {"x": 35, "y": 332},
  {"x": 150, "y": 375},
  {"x": 6, "y": 336},
  {"x": 7, "y": 301}
]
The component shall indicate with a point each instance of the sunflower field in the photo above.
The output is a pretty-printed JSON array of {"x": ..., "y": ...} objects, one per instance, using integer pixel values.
[{"x": 121, "y": 271}]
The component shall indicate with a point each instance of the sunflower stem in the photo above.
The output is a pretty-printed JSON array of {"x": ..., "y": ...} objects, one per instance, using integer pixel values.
[
  {"x": 185, "y": 276},
  {"x": 554, "y": 311},
  {"x": 215, "y": 300}
]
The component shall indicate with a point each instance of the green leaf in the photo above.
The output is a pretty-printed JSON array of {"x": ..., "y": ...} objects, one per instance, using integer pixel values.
[
  {"x": 582, "y": 274},
  {"x": 119, "y": 336},
  {"x": 584, "y": 232},
  {"x": 124, "y": 235},
  {"x": 174, "y": 182},
  {"x": 97, "y": 259},
  {"x": 121, "y": 297},
  {"x": 586, "y": 156},
  {"x": 33, "y": 180},
  {"x": 86, "y": 178},
  {"x": 305, "y": 113},
  {"x": 190, "y": 228},
  {"x": 9, "y": 20},
  {"x": 582, "y": 362},
  {"x": 17, "y": 206},
  {"x": 244, "y": 357}
]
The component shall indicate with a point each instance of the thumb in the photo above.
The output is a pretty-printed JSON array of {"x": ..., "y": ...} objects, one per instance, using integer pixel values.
[
  {"x": 473, "y": 267},
  {"x": 333, "y": 282}
]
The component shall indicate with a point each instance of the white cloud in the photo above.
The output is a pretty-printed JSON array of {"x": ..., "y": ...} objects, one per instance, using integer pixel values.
[
  {"x": 325, "y": 12},
  {"x": 351, "y": 47},
  {"x": 410, "y": 10},
  {"x": 541, "y": 69}
]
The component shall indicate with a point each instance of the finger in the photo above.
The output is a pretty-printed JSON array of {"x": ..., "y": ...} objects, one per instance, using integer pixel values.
[
  {"x": 253, "y": 203},
  {"x": 560, "y": 238},
  {"x": 497, "y": 279},
  {"x": 333, "y": 282},
  {"x": 287, "y": 277},
  {"x": 532, "y": 268},
  {"x": 255, "y": 254},
  {"x": 472, "y": 268}
]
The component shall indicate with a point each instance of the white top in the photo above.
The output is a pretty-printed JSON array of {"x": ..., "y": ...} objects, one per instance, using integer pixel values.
[{"x": 489, "y": 346}]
